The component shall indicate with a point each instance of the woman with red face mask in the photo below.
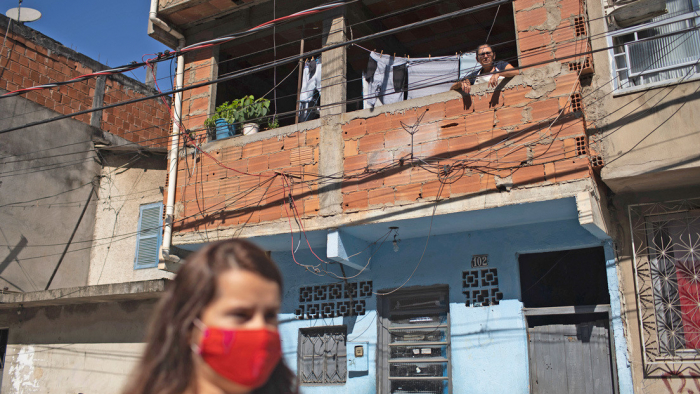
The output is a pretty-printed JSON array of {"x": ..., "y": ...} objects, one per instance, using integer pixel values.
[{"x": 215, "y": 329}]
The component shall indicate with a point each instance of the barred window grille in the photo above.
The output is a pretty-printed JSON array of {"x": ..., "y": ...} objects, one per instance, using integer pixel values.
[
  {"x": 414, "y": 342},
  {"x": 666, "y": 240},
  {"x": 641, "y": 60},
  {"x": 322, "y": 355}
]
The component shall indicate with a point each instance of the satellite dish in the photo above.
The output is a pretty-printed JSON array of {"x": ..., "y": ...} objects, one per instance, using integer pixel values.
[{"x": 23, "y": 15}]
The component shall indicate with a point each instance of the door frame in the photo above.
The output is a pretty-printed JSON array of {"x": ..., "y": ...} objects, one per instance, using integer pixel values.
[{"x": 575, "y": 310}]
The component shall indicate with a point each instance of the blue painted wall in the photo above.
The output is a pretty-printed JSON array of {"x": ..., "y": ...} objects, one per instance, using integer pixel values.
[{"x": 489, "y": 344}]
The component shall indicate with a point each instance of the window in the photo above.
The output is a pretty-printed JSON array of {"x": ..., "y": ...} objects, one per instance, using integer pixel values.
[
  {"x": 322, "y": 355},
  {"x": 638, "y": 63},
  {"x": 675, "y": 277},
  {"x": 413, "y": 347},
  {"x": 149, "y": 235}
]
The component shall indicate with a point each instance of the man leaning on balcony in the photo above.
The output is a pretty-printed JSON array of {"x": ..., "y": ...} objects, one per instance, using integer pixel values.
[{"x": 491, "y": 71}]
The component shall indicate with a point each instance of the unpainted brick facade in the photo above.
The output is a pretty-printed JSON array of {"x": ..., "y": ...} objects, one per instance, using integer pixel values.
[
  {"x": 30, "y": 63},
  {"x": 529, "y": 131}
]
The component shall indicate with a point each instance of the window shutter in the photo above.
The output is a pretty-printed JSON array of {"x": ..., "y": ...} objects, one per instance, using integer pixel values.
[{"x": 149, "y": 236}]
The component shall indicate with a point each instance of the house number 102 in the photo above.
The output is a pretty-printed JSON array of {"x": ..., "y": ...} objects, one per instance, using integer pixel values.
[{"x": 480, "y": 260}]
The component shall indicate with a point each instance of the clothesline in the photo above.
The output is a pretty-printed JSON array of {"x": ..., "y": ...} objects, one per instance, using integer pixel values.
[
  {"x": 389, "y": 79},
  {"x": 429, "y": 58}
]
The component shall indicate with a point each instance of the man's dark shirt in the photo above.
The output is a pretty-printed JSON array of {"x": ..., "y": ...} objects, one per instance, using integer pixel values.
[{"x": 500, "y": 66}]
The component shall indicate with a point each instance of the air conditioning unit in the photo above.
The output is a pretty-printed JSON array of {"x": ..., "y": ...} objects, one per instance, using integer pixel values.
[{"x": 623, "y": 14}]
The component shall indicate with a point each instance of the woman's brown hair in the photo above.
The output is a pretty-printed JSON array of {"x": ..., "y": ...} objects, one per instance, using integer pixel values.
[{"x": 167, "y": 365}]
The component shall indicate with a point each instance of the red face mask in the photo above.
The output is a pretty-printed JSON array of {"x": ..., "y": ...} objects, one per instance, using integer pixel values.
[{"x": 245, "y": 357}]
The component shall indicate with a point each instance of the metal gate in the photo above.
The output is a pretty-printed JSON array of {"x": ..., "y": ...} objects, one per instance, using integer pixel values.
[{"x": 573, "y": 358}]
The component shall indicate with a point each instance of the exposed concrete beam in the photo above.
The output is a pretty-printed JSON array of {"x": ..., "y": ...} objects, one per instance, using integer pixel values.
[
  {"x": 590, "y": 216},
  {"x": 343, "y": 248},
  {"x": 85, "y": 294}
]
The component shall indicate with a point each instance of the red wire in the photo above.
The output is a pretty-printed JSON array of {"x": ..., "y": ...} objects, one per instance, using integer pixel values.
[{"x": 293, "y": 16}]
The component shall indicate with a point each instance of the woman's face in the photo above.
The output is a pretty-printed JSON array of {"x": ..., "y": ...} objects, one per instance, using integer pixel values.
[{"x": 245, "y": 301}]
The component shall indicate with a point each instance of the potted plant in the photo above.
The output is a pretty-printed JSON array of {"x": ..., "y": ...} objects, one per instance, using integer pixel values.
[
  {"x": 249, "y": 113},
  {"x": 221, "y": 123}
]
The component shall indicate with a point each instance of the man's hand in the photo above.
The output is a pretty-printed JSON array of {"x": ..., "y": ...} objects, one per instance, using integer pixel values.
[
  {"x": 466, "y": 86},
  {"x": 493, "y": 81}
]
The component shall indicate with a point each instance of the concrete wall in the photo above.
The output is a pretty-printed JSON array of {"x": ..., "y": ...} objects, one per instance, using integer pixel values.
[
  {"x": 48, "y": 171},
  {"x": 87, "y": 348},
  {"x": 644, "y": 132},
  {"x": 489, "y": 344},
  {"x": 128, "y": 181},
  {"x": 46, "y": 177}
]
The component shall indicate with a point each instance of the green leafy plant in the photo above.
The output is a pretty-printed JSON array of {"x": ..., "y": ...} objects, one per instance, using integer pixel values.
[
  {"x": 250, "y": 109},
  {"x": 273, "y": 123},
  {"x": 223, "y": 111}
]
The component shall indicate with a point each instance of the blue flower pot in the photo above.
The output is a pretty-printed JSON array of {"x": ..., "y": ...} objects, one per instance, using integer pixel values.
[{"x": 224, "y": 129}]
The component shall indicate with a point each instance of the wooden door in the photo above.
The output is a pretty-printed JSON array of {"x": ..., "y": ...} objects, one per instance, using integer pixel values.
[{"x": 570, "y": 358}]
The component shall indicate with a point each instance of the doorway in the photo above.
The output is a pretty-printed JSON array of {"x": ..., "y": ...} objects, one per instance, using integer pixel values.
[{"x": 567, "y": 308}]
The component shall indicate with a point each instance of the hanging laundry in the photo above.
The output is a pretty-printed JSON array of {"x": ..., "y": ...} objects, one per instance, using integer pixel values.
[
  {"x": 427, "y": 76},
  {"x": 310, "y": 95},
  {"x": 385, "y": 79}
]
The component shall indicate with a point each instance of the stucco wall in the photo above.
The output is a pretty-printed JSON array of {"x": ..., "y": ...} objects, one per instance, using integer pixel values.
[
  {"x": 624, "y": 251},
  {"x": 88, "y": 348},
  {"x": 128, "y": 181},
  {"x": 45, "y": 179},
  {"x": 642, "y": 132},
  {"x": 489, "y": 344}
]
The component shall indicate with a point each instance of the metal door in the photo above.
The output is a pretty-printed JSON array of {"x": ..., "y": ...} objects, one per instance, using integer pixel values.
[{"x": 570, "y": 358}]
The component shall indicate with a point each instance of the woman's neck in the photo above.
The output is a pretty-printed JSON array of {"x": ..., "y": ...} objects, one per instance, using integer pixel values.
[{"x": 487, "y": 69}]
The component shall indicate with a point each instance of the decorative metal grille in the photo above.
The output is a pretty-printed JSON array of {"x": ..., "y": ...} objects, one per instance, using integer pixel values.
[
  {"x": 333, "y": 300},
  {"x": 322, "y": 355},
  {"x": 481, "y": 287},
  {"x": 666, "y": 242},
  {"x": 413, "y": 343}
]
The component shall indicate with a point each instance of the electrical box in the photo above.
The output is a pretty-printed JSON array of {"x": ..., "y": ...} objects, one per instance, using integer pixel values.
[{"x": 358, "y": 359}]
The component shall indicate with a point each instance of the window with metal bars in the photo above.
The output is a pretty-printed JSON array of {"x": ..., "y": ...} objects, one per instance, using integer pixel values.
[
  {"x": 639, "y": 59},
  {"x": 149, "y": 235},
  {"x": 413, "y": 347},
  {"x": 675, "y": 276},
  {"x": 322, "y": 355}
]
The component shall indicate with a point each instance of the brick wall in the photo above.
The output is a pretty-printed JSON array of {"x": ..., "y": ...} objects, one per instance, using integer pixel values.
[
  {"x": 35, "y": 59},
  {"x": 527, "y": 133},
  {"x": 503, "y": 138},
  {"x": 210, "y": 196}
]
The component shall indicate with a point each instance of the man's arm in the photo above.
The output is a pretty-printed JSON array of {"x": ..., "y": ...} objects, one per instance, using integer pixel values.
[
  {"x": 493, "y": 81},
  {"x": 509, "y": 74}
]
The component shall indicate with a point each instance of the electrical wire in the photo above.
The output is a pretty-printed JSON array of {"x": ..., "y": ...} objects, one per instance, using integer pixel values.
[{"x": 414, "y": 270}]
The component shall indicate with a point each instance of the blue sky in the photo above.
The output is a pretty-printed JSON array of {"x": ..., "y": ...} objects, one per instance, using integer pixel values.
[{"x": 113, "y": 32}]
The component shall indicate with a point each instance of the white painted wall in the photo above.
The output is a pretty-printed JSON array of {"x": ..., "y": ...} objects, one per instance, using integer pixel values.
[{"x": 128, "y": 181}]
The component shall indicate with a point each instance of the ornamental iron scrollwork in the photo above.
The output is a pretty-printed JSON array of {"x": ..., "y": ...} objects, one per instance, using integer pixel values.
[{"x": 666, "y": 244}]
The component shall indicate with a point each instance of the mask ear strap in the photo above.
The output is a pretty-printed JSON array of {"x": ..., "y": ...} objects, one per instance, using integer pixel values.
[
  {"x": 198, "y": 323},
  {"x": 195, "y": 347}
]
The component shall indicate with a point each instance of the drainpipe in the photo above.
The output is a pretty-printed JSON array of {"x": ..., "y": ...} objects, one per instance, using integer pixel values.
[
  {"x": 153, "y": 17},
  {"x": 167, "y": 261}
]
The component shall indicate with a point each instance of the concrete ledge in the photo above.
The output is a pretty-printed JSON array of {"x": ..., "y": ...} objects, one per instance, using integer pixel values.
[
  {"x": 142, "y": 290},
  {"x": 424, "y": 208}
]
